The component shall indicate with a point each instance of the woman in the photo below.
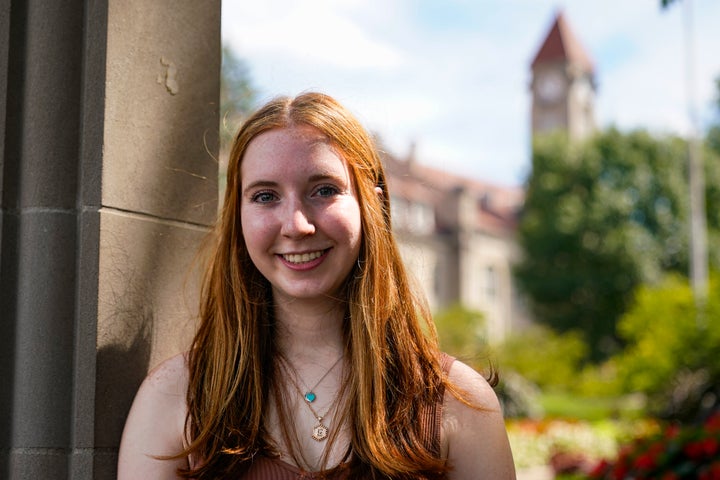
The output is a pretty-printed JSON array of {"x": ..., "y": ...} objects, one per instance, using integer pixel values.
[{"x": 312, "y": 359}]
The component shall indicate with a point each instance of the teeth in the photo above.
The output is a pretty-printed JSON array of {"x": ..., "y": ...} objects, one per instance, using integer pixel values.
[{"x": 302, "y": 257}]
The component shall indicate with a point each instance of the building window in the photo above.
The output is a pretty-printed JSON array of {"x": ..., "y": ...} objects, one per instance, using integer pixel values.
[
  {"x": 415, "y": 217},
  {"x": 398, "y": 211},
  {"x": 491, "y": 283},
  {"x": 422, "y": 218}
]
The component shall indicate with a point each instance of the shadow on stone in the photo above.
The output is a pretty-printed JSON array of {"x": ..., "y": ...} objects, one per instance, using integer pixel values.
[{"x": 120, "y": 371}]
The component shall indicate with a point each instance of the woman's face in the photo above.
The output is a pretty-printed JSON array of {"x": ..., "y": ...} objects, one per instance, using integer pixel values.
[{"x": 299, "y": 211}]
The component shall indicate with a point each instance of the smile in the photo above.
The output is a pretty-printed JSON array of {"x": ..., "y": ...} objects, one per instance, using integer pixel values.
[{"x": 298, "y": 258}]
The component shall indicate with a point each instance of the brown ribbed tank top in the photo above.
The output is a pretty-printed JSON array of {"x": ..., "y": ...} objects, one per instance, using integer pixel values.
[{"x": 266, "y": 468}]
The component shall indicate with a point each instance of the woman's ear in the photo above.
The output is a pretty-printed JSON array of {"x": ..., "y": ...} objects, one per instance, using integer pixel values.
[{"x": 379, "y": 191}]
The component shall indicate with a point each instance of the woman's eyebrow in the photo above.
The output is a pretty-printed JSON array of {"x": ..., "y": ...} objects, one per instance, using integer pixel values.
[
  {"x": 260, "y": 184},
  {"x": 316, "y": 177},
  {"x": 325, "y": 176}
]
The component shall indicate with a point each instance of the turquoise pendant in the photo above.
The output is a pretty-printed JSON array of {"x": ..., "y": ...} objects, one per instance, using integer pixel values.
[{"x": 310, "y": 397}]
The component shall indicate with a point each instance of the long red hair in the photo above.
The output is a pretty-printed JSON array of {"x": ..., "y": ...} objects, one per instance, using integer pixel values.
[{"x": 391, "y": 342}]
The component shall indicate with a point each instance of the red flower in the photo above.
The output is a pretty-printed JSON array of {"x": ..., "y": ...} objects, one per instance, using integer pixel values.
[
  {"x": 710, "y": 446},
  {"x": 625, "y": 452},
  {"x": 715, "y": 470},
  {"x": 657, "y": 448},
  {"x": 600, "y": 469},
  {"x": 712, "y": 424},
  {"x": 694, "y": 450},
  {"x": 645, "y": 461},
  {"x": 710, "y": 474},
  {"x": 620, "y": 471},
  {"x": 655, "y": 454},
  {"x": 672, "y": 431}
]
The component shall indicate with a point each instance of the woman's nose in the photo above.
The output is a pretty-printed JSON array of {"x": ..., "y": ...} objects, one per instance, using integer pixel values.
[{"x": 297, "y": 221}]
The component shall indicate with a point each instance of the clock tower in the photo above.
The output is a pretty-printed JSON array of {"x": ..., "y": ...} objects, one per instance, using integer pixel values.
[{"x": 563, "y": 84}]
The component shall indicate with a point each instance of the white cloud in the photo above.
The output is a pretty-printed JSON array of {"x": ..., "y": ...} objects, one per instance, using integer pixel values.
[
  {"x": 453, "y": 75},
  {"x": 311, "y": 30}
]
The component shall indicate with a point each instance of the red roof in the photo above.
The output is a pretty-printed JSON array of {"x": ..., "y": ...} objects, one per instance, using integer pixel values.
[
  {"x": 415, "y": 182},
  {"x": 562, "y": 45}
]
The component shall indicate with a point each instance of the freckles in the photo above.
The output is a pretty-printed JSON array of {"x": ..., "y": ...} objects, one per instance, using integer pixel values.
[
  {"x": 257, "y": 227},
  {"x": 253, "y": 226}
]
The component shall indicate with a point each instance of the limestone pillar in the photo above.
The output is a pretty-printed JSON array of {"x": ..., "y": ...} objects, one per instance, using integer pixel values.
[{"x": 108, "y": 175}]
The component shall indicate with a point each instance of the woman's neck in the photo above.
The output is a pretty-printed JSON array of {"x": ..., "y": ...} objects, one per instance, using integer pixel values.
[{"x": 310, "y": 332}]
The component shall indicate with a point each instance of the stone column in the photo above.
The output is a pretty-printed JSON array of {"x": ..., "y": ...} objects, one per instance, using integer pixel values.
[{"x": 109, "y": 183}]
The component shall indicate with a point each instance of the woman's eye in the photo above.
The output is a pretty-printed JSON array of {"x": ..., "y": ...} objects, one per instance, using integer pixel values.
[
  {"x": 327, "y": 191},
  {"x": 263, "y": 197}
]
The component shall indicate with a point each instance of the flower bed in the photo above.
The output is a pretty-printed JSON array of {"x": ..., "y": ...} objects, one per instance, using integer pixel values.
[
  {"x": 618, "y": 450},
  {"x": 674, "y": 453},
  {"x": 561, "y": 442}
]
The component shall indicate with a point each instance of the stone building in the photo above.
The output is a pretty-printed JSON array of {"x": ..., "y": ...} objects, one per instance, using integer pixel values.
[
  {"x": 458, "y": 235},
  {"x": 563, "y": 84}
]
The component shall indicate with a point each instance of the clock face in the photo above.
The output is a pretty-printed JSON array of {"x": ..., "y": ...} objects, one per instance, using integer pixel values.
[{"x": 551, "y": 86}]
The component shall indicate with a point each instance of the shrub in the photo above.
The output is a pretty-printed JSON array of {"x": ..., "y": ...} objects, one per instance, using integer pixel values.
[
  {"x": 461, "y": 333},
  {"x": 545, "y": 358},
  {"x": 671, "y": 352}
]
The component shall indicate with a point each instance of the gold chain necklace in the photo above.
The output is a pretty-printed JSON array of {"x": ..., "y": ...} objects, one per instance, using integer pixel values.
[
  {"x": 320, "y": 431},
  {"x": 310, "y": 395}
]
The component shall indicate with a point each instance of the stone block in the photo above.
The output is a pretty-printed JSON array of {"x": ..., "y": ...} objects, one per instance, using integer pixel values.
[
  {"x": 43, "y": 125},
  {"x": 147, "y": 304},
  {"x": 26, "y": 463},
  {"x": 84, "y": 374},
  {"x": 44, "y": 326},
  {"x": 161, "y": 120},
  {"x": 4, "y": 51}
]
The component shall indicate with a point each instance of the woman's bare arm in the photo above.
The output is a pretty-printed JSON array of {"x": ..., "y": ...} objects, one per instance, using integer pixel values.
[
  {"x": 155, "y": 425},
  {"x": 475, "y": 441}
]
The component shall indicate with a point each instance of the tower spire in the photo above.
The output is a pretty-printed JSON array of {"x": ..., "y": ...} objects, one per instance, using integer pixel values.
[{"x": 561, "y": 44}]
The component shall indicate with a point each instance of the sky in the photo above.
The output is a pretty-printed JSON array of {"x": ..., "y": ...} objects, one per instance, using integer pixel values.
[{"x": 452, "y": 76}]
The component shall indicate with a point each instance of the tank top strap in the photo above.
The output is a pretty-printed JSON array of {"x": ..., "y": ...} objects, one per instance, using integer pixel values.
[{"x": 431, "y": 417}]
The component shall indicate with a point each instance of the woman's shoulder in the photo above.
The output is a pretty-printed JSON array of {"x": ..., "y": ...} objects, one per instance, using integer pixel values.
[
  {"x": 474, "y": 386},
  {"x": 155, "y": 426},
  {"x": 163, "y": 393},
  {"x": 170, "y": 376},
  {"x": 473, "y": 428}
]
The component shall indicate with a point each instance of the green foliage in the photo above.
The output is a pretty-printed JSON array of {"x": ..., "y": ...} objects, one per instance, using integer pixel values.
[
  {"x": 581, "y": 406},
  {"x": 547, "y": 359},
  {"x": 711, "y": 157},
  {"x": 570, "y": 406},
  {"x": 237, "y": 95},
  {"x": 461, "y": 332},
  {"x": 666, "y": 3},
  {"x": 601, "y": 218},
  {"x": 672, "y": 346}
]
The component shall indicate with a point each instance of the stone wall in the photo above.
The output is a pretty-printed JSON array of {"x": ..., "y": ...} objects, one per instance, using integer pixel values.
[{"x": 108, "y": 175}]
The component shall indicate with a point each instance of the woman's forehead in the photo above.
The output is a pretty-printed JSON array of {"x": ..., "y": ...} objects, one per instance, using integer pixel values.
[{"x": 297, "y": 149}]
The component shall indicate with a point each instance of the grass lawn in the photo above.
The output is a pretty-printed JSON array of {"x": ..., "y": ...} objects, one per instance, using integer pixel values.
[{"x": 565, "y": 405}]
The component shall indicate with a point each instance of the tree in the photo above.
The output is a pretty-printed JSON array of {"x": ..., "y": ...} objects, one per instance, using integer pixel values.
[
  {"x": 601, "y": 218},
  {"x": 238, "y": 96},
  {"x": 712, "y": 179}
]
